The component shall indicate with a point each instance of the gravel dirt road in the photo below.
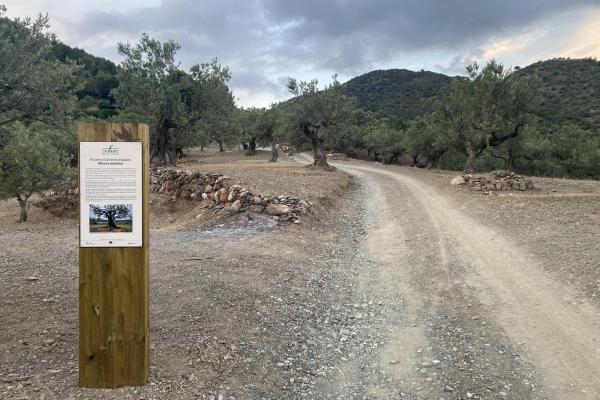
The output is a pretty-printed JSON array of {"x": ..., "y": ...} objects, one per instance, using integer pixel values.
[
  {"x": 450, "y": 267},
  {"x": 397, "y": 287}
]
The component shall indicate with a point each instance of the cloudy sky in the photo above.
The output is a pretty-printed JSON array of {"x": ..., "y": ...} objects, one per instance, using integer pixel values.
[{"x": 266, "y": 41}]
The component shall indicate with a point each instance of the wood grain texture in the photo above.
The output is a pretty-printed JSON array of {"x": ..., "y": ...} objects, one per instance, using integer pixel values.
[{"x": 114, "y": 342}]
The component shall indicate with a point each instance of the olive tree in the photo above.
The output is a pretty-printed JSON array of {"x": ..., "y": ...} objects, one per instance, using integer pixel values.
[
  {"x": 319, "y": 115},
  {"x": 269, "y": 125},
  {"x": 29, "y": 163},
  {"x": 112, "y": 212},
  {"x": 427, "y": 141},
  {"x": 486, "y": 109},
  {"x": 381, "y": 138},
  {"x": 182, "y": 108}
]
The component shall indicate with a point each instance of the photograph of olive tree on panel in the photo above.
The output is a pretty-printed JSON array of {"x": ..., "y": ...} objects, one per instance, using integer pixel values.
[{"x": 110, "y": 218}]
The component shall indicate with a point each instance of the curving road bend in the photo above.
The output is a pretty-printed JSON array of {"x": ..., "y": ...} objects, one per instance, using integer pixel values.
[{"x": 479, "y": 318}]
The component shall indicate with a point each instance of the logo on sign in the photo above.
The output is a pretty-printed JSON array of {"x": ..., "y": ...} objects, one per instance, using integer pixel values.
[{"x": 110, "y": 151}]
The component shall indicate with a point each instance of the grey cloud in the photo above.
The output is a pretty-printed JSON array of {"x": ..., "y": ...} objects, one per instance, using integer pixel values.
[{"x": 264, "y": 40}]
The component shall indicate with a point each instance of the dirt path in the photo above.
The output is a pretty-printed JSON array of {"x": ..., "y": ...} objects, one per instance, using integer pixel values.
[{"x": 473, "y": 303}]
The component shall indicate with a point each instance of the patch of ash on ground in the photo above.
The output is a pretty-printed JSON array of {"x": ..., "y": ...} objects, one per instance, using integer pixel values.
[{"x": 240, "y": 225}]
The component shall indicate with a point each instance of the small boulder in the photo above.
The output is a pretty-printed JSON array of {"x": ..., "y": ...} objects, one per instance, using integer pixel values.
[
  {"x": 277, "y": 209},
  {"x": 459, "y": 180},
  {"x": 208, "y": 189},
  {"x": 223, "y": 195},
  {"x": 236, "y": 206},
  {"x": 232, "y": 195}
]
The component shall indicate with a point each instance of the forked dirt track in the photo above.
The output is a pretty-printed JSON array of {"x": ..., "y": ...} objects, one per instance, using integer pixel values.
[{"x": 478, "y": 310}]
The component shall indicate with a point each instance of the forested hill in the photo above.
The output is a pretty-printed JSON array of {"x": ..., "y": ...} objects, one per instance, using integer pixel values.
[
  {"x": 570, "y": 91},
  {"x": 399, "y": 93},
  {"x": 98, "y": 78}
]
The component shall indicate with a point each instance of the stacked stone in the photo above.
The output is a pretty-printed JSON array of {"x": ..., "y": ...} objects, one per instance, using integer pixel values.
[
  {"x": 178, "y": 184},
  {"x": 497, "y": 180}
]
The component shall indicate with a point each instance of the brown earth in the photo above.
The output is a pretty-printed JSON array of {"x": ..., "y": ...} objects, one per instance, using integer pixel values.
[{"x": 399, "y": 286}]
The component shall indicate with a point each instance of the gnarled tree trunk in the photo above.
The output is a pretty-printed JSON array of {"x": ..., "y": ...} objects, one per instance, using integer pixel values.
[
  {"x": 274, "y": 153},
  {"x": 251, "y": 147},
  {"x": 163, "y": 153},
  {"x": 220, "y": 142},
  {"x": 23, "y": 200},
  {"x": 24, "y": 204},
  {"x": 111, "y": 222},
  {"x": 394, "y": 157},
  {"x": 472, "y": 154},
  {"x": 320, "y": 157}
]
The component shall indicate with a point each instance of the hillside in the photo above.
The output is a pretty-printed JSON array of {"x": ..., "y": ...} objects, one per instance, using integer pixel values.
[
  {"x": 396, "y": 92},
  {"x": 98, "y": 77},
  {"x": 570, "y": 91}
]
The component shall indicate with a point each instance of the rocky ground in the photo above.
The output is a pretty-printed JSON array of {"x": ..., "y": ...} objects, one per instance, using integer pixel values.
[{"x": 397, "y": 287}]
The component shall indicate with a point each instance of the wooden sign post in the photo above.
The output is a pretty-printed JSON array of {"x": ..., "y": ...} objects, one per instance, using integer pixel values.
[{"x": 114, "y": 254}]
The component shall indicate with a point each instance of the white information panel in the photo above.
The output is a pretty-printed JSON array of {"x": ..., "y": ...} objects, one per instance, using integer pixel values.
[{"x": 110, "y": 194}]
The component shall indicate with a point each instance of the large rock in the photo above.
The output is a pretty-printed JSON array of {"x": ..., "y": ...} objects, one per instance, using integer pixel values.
[
  {"x": 459, "y": 180},
  {"x": 277, "y": 209}
]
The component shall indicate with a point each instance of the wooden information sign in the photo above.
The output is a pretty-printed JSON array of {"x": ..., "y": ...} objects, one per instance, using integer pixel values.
[{"x": 113, "y": 254}]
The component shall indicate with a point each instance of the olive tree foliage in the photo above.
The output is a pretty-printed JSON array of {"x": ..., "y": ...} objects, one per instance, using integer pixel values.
[
  {"x": 488, "y": 108},
  {"x": 213, "y": 112},
  {"x": 269, "y": 126},
  {"x": 383, "y": 141},
  {"x": 427, "y": 141},
  {"x": 566, "y": 151},
  {"x": 248, "y": 119},
  {"x": 30, "y": 163},
  {"x": 182, "y": 108},
  {"x": 261, "y": 127},
  {"x": 320, "y": 116},
  {"x": 34, "y": 85}
]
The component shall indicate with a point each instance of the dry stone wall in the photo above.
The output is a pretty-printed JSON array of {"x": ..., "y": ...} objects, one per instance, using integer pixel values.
[
  {"x": 495, "y": 180},
  {"x": 217, "y": 188}
]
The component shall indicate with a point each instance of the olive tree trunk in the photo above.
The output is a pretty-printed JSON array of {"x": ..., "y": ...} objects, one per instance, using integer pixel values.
[
  {"x": 111, "y": 222},
  {"x": 274, "y": 153},
  {"x": 251, "y": 147},
  {"x": 320, "y": 157},
  {"x": 472, "y": 154},
  {"x": 23, "y": 205},
  {"x": 163, "y": 153}
]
